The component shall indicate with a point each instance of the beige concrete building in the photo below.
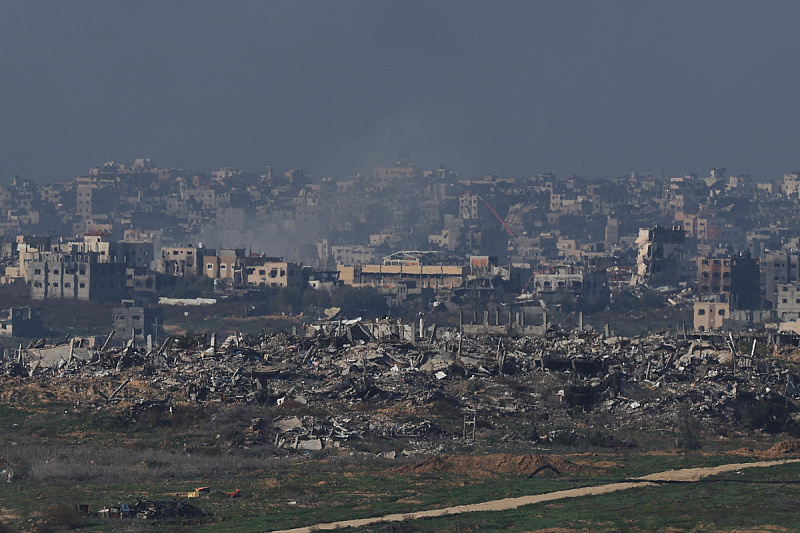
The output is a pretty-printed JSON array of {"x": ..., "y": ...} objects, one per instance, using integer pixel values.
[
  {"x": 272, "y": 272},
  {"x": 427, "y": 277},
  {"x": 468, "y": 206},
  {"x": 227, "y": 264},
  {"x": 398, "y": 172},
  {"x": 181, "y": 260},
  {"x": 416, "y": 269},
  {"x": 708, "y": 316},
  {"x": 791, "y": 184}
]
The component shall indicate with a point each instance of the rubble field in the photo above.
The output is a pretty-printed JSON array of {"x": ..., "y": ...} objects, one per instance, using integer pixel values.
[{"x": 345, "y": 386}]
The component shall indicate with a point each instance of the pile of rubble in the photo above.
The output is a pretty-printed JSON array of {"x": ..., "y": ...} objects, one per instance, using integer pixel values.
[
  {"x": 444, "y": 386},
  {"x": 149, "y": 510}
]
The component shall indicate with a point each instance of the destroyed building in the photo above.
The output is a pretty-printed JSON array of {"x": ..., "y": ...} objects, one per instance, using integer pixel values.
[
  {"x": 20, "y": 322},
  {"x": 136, "y": 320},
  {"x": 730, "y": 279},
  {"x": 486, "y": 273},
  {"x": 558, "y": 281},
  {"x": 660, "y": 252},
  {"x": 181, "y": 260},
  {"x": 272, "y": 272},
  {"x": 322, "y": 279},
  {"x": 413, "y": 269},
  {"x": 779, "y": 268},
  {"x": 81, "y": 275}
]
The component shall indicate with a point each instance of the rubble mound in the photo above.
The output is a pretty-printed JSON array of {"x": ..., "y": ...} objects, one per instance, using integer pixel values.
[
  {"x": 495, "y": 463},
  {"x": 788, "y": 354},
  {"x": 787, "y": 447}
]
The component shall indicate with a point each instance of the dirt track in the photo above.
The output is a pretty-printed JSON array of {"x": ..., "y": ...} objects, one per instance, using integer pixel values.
[{"x": 686, "y": 474}]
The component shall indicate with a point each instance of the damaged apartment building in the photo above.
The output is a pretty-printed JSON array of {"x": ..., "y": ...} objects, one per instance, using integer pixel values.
[
  {"x": 91, "y": 269},
  {"x": 588, "y": 286},
  {"x": 20, "y": 322},
  {"x": 727, "y": 289},
  {"x": 409, "y": 273},
  {"x": 660, "y": 256},
  {"x": 740, "y": 291},
  {"x": 136, "y": 320},
  {"x": 230, "y": 265},
  {"x": 781, "y": 281},
  {"x": 79, "y": 275}
]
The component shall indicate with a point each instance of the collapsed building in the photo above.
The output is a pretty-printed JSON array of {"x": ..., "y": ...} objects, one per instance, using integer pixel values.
[
  {"x": 660, "y": 254},
  {"x": 352, "y": 379},
  {"x": 567, "y": 281},
  {"x": 137, "y": 320},
  {"x": 20, "y": 322}
]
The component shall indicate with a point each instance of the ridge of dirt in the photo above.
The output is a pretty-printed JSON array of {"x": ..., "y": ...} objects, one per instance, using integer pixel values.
[
  {"x": 483, "y": 465},
  {"x": 785, "y": 447},
  {"x": 487, "y": 464}
]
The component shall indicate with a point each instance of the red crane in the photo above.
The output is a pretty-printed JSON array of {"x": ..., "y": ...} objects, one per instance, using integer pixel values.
[{"x": 503, "y": 222}]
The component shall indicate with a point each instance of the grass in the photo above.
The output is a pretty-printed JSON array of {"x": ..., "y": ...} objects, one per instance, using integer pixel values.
[
  {"x": 301, "y": 497},
  {"x": 290, "y": 492},
  {"x": 723, "y": 503}
]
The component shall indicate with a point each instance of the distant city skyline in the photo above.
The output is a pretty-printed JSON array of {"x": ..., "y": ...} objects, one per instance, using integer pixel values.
[{"x": 512, "y": 88}]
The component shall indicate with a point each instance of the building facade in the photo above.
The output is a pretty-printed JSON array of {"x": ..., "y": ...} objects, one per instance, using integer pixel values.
[
  {"x": 80, "y": 276},
  {"x": 708, "y": 316},
  {"x": 20, "y": 322},
  {"x": 133, "y": 320}
]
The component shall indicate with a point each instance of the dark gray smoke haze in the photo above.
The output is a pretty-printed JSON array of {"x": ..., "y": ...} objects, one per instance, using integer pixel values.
[{"x": 512, "y": 88}]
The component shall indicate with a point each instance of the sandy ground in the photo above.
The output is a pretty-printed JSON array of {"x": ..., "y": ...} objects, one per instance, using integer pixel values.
[{"x": 686, "y": 474}]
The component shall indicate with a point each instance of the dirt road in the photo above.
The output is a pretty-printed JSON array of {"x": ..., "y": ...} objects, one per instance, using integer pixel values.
[{"x": 686, "y": 474}]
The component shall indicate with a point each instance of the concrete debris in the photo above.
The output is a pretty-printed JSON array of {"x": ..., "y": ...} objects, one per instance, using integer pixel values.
[
  {"x": 347, "y": 364},
  {"x": 149, "y": 510}
]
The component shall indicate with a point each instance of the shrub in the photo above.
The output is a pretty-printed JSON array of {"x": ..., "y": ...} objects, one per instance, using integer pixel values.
[
  {"x": 63, "y": 516},
  {"x": 769, "y": 415},
  {"x": 688, "y": 431}
]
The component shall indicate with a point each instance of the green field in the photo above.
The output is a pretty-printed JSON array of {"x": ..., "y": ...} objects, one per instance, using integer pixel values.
[{"x": 54, "y": 476}]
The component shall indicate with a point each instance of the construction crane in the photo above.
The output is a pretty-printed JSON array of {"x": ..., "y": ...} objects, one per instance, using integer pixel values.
[{"x": 503, "y": 222}]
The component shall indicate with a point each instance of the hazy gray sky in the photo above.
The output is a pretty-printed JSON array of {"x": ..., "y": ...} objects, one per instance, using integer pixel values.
[{"x": 511, "y": 88}]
